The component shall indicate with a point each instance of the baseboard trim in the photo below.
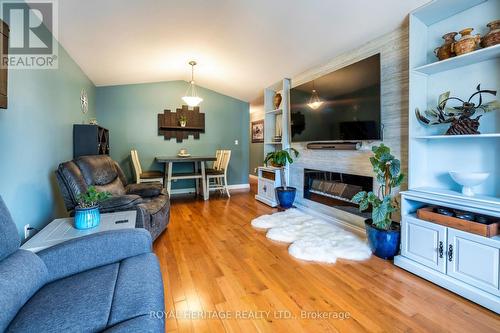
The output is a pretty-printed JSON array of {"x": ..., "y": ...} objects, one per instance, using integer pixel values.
[
  {"x": 193, "y": 190},
  {"x": 239, "y": 187}
]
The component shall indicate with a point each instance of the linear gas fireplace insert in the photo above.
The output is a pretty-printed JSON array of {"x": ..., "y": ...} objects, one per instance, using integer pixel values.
[{"x": 335, "y": 189}]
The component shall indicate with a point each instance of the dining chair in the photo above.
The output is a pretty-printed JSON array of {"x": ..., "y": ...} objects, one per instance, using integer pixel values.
[
  {"x": 146, "y": 176},
  {"x": 217, "y": 162},
  {"x": 217, "y": 177}
]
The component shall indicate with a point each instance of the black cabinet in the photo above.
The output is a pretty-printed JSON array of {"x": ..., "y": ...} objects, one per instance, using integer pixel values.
[{"x": 90, "y": 140}]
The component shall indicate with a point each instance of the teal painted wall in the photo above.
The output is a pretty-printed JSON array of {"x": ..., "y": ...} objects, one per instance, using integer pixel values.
[
  {"x": 130, "y": 113},
  {"x": 36, "y": 134}
]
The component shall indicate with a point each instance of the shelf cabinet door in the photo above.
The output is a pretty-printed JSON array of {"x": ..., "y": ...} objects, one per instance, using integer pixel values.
[
  {"x": 474, "y": 260},
  {"x": 424, "y": 243},
  {"x": 266, "y": 189}
]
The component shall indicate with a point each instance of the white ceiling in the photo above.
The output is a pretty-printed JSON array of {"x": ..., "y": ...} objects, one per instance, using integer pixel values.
[{"x": 241, "y": 46}]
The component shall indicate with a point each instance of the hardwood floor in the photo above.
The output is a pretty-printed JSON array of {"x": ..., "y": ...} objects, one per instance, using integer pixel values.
[{"x": 221, "y": 274}]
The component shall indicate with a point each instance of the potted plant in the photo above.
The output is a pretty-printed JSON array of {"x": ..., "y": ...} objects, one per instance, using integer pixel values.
[
  {"x": 279, "y": 159},
  {"x": 182, "y": 120},
  {"x": 87, "y": 212},
  {"x": 383, "y": 234}
]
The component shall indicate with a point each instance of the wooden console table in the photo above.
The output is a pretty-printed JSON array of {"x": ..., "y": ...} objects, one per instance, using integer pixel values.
[{"x": 169, "y": 175}]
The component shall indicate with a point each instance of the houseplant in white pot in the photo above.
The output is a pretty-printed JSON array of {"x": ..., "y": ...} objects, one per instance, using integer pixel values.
[
  {"x": 183, "y": 121},
  {"x": 87, "y": 213},
  {"x": 383, "y": 234},
  {"x": 279, "y": 159}
]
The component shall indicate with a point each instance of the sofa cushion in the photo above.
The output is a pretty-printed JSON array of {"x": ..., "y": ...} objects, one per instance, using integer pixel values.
[
  {"x": 97, "y": 299},
  {"x": 9, "y": 238},
  {"x": 78, "y": 303},
  {"x": 137, "y": 289},
  {"x": 145, "y": 190},
  {"x": 21, "y": 275},
  {"x": 97, "y": 170}
]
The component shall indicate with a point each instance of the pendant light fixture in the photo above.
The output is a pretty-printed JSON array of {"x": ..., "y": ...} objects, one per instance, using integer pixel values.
[
  {"x": 314, "y": 101},
  {"x": 191, "y": 98}
]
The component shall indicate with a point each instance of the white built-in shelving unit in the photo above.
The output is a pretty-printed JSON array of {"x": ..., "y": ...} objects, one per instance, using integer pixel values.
[
  {"x": 431, "y": 153},
  {"x": 276, "y": 122},
  {"x": 465, "y": 263}
]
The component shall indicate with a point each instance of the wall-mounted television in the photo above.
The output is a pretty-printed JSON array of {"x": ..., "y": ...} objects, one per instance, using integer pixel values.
[{"x": 343, "y": 105}]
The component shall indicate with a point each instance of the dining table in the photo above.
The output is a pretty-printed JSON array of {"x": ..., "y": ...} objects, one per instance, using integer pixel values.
[{"x": 197, "y": 175}]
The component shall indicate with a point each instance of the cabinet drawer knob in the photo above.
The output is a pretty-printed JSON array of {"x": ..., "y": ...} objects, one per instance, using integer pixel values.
[
  {"x": 264, "y": 188},
  {"x": 450, "y": 252},
  {"x": 441, "y": 249}
]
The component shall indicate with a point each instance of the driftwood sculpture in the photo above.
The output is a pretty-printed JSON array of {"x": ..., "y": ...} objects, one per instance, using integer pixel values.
[{"x": 459, "y": 117}]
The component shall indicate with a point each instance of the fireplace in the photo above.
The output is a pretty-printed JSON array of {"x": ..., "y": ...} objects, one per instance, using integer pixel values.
[{"x": 335, "y": 189}]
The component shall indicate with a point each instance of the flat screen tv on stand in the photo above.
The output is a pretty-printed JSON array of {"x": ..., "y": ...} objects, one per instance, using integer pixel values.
[{"x": 342, "y": 106}]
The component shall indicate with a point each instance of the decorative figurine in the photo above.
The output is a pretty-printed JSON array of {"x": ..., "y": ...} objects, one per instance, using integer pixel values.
[
  {"x": 467, "y": 43},
  {"x": 459, "y": 117},
  {"x": 445, "y": 51}
]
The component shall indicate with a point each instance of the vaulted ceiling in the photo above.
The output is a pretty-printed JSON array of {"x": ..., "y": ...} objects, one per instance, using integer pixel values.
[{"x": 241, "y": 46}]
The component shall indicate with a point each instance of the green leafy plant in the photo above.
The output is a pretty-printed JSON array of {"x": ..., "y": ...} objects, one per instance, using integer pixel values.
[
  {"x": 183, "y": 119},
  {"x": 91, "y": 198},
  {"x": 388, "y": 174},
  {"x": 279, "y": 159}
]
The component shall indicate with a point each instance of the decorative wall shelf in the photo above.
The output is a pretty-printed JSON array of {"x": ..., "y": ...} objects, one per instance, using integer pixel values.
[
  {"x": 168, "y": 123},
  {"x": 185, "y": 128},
  {"x": 478, "y": 56},
  {"x": 453, "y": 137}
]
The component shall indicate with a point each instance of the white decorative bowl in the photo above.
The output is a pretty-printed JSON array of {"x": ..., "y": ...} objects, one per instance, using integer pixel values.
[{"x": 468, "y": 180}]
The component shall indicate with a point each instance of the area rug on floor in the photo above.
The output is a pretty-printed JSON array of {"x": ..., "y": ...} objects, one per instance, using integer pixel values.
[{"x": 312, "y": 239}]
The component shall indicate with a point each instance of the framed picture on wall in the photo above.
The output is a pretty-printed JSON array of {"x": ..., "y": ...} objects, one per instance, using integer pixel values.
[{"x": 258, "y": 131}]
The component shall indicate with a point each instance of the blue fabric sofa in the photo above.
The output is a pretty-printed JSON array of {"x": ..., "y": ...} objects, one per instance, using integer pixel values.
[{"x": 109, "y": 281}]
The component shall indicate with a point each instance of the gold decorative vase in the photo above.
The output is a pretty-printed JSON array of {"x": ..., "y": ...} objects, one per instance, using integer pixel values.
[
  {"x": 467, "y": 42},
  {"x": 445, "y": 51},
  {"x": 493, "y": 36},
  {"x": 277, "y": 100}
]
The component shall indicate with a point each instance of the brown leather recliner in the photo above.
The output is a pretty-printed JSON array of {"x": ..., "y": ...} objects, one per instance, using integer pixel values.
[{"x": 151, "y": 201}]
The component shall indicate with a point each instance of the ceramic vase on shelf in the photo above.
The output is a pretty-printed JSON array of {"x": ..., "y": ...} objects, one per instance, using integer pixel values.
[
  {"x": 493, "y": 36},
  {"x": 445, "y": 51},
  {"x": 277, "y": 101},
  {"x": 467, "y": 42}
]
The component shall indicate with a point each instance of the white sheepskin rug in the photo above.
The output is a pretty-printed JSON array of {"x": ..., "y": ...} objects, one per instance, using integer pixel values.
[{"x": 312, "y": 239}]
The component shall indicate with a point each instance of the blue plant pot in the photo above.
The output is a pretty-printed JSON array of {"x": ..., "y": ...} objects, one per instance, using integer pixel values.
[
  {"x": 286, "y": 197},
  {"x": 383, "y": 243},
  {"x": 86, "y": 218}
]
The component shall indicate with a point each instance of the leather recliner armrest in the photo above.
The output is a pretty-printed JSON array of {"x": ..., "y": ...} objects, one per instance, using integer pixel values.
[
  {"x": 120, "y": 203},
  {"x": 145, "y": 190}
]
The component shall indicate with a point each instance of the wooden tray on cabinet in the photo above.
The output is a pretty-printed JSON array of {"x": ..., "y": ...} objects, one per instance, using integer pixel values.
[{"x": 486, "y": 230}]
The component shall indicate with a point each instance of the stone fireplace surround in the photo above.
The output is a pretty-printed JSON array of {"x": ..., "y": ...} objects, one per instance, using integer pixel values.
[{"x": 347, "y": 162}]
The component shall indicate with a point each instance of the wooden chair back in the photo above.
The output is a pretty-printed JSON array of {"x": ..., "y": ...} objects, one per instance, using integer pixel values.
[
  {"x": 218, "y": 159},
  {"x": 136, "y": 164},
  {"x": 226, "y": 156}
]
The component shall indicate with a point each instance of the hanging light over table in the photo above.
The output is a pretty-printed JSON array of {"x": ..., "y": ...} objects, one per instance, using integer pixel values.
[
  {"x": 191, "y": 97},
  {"x": 314, "y": 101}
]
